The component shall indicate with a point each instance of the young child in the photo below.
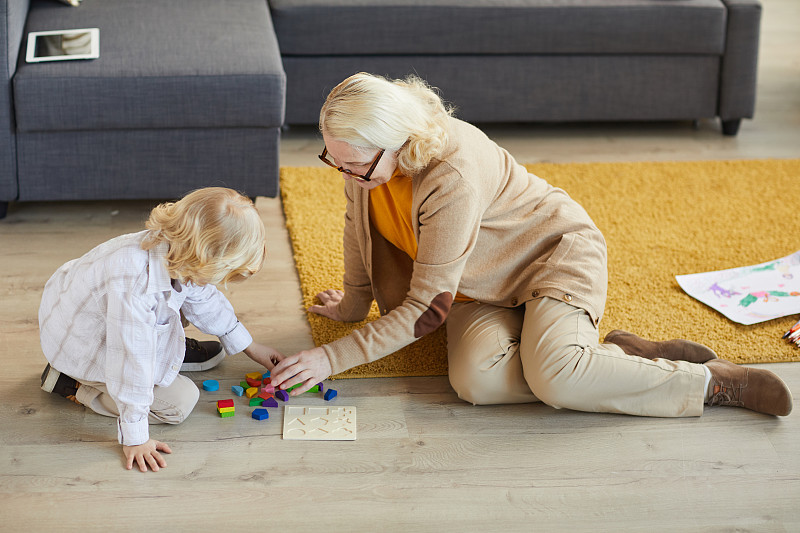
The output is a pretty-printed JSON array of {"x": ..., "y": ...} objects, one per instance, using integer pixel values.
[{"x": 111, "y": 321}]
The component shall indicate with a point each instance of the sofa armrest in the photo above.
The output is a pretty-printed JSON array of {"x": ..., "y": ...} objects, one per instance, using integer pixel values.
[{"x": 737, "y": 88}]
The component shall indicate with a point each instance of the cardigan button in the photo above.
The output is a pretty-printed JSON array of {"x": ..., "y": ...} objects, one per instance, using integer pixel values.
[
  {"x": 567, "y": 297},
  {"x": 535, "y": 293},
  {"x": 514, "y": 302}
]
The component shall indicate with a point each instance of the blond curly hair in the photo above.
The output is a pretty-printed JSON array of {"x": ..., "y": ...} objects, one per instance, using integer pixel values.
[
  {"x": 407, "y": 116},
  {"x": 215, "y": 236}
]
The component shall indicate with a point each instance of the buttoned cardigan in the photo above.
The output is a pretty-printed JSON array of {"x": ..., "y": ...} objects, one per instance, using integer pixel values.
[{"x": 486, "y": 228}]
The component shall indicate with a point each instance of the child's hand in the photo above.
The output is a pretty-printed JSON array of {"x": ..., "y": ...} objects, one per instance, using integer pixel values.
[
  {"x": 264, "y": 355},
  {"x": 146, "y": 454}
]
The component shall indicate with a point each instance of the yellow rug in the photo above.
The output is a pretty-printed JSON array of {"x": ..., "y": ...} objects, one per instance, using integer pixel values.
[{"x": 659, "y": 219}]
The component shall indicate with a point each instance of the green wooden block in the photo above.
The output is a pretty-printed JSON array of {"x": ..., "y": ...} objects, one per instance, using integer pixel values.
[
  {"x": 244, "y": 385},
  {"x": 315, "y": 388},
  {"x": 227, "y": 415},
  {"x": 256, "y": 401}
]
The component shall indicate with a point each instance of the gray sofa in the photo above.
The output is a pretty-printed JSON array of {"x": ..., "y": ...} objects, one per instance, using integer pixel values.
[
  {"x": 189, "y": 93},
  {"x": 185, "y": 94}
]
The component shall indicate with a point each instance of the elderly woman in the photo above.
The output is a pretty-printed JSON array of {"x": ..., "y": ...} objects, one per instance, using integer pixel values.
[{"x": 443, "y": 226}]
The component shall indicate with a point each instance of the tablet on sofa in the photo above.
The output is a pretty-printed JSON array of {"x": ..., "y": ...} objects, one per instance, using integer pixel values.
[{"x": 59, "y": 45}]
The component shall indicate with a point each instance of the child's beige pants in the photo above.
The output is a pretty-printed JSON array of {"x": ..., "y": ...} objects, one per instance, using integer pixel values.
[
  {"x": 171, "y": 405},
  {"x": 550, "y": 352}
]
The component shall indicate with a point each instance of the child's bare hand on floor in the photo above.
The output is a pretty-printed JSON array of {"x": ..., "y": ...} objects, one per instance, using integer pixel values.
[{"x": 146, "y": 454}]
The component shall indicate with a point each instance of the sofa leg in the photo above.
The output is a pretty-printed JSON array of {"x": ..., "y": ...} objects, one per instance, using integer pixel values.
[
  {"x": 3, "y": 209},
  {"x": 731, "y": 127}
]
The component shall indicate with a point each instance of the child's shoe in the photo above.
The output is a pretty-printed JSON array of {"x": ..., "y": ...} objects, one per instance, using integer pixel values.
[
  {"x": 202, "y": 355},
  {"x": 61, "y": 384}
]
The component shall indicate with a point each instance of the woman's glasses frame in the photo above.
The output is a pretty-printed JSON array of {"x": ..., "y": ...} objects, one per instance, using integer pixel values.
[{"x": 360, "y": 177}]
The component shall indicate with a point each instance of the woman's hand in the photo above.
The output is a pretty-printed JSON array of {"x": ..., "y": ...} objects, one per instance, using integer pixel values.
[
  {"x": 146, "y": 455},
  {"x": 330, "y": 304},
  {"x": 264, "y": 355},
  {"x": 308, "y": 367}
]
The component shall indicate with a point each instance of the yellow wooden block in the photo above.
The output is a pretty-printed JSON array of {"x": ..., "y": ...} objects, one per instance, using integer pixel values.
[
  {"x": 252, "y": 391},
  {"x": 226, "y": 409},
  {"x": 254, "y": 375}
]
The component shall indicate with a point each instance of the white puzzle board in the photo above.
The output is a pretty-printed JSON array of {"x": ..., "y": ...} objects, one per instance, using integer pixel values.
[{"x": 319, "y": 423}]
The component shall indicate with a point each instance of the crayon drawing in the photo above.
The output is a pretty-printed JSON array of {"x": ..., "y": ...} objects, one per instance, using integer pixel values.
[{"x": 750, "y": 294}]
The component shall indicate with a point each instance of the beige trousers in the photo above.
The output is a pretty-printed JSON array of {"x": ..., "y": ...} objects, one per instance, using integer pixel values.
[
  {"x": 171, "y": 405},
  {"x": 550, "y": 351}
]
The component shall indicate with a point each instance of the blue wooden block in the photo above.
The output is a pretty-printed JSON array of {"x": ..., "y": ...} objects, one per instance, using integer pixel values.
[
  {"x": 330, "y": 394},
  {"x": 260, "y": 414},
  {"x": 211, "y": 385},
  {"x": 265, "y": 375},
  {"x": 237, "y": 390}
]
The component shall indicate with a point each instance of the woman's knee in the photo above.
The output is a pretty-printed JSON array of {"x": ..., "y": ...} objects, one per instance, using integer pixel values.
[{"x": 554, "y": 379}]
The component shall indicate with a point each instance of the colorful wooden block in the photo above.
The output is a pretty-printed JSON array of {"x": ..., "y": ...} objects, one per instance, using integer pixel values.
[
  {"x": 256, "y": 401},
  {"x": 253, "y": 382},
  {"x": 224, "y": 403},
  {"x": 226, "y": 410},
  {"x": 282, "y": 395},
  {"x": 321, "y": 387},
  {"x": 270, "y": 402},
  {"x": 227, "y": 414},
  {"x": 244, "y": 385},
  {"x": 266, "y": 381},
  {"x": 315, "y": 388},
  {"x": 252, "y": 391},
  {"x": 268, "y": 388},
  {"x": 266, "y": 374},
  {"x": 237, "y": 390},
  {"x": 260, "y": 414},
  {"x": 264, "y": 394},
  {"x": 211, "y": 385},
  {"x": 330, "y": 394},
  {"x": 253, "y": 375}
]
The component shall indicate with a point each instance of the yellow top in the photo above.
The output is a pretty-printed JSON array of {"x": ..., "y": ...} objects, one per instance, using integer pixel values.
[{"x": 390, "y": 213}]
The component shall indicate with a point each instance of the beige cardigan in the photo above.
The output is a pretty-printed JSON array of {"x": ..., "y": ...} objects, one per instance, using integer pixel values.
[{"x": 486, "y": 228}]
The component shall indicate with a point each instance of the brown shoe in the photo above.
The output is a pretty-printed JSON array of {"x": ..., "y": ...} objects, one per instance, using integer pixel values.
[
  {"x": 752, "y": 388},
  {"x": 674, "y": 350}
]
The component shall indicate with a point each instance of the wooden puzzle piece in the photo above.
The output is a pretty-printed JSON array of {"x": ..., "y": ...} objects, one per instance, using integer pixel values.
[
  {"x": 319, "y": 423},
  {"x": 260, "y": 414}
]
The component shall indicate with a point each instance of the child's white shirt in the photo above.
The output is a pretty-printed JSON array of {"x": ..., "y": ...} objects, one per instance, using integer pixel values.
[{"x": 113, "y": 316}]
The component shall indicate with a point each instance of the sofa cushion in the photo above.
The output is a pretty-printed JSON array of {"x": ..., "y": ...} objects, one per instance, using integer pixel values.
[
  {"x": 397, "y": 27},
  {"x": 186, "y": 73}
]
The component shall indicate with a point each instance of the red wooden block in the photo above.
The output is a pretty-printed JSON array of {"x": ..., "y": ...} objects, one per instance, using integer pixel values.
[
  {"x": 253, "y": 382},
  {"x": 224, "y": 403}
]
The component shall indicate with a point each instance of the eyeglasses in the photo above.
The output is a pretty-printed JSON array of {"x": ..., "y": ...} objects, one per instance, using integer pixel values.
[{"x": 360, "y": 177}]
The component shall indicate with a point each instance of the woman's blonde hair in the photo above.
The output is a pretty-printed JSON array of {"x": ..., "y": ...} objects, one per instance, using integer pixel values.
[
  {"x": 369, "y": 111},
  {"x": 215, "y": 235}
]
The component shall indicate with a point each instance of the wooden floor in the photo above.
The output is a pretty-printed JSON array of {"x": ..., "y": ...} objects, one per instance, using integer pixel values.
[{"x": 423, "y": 460}]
